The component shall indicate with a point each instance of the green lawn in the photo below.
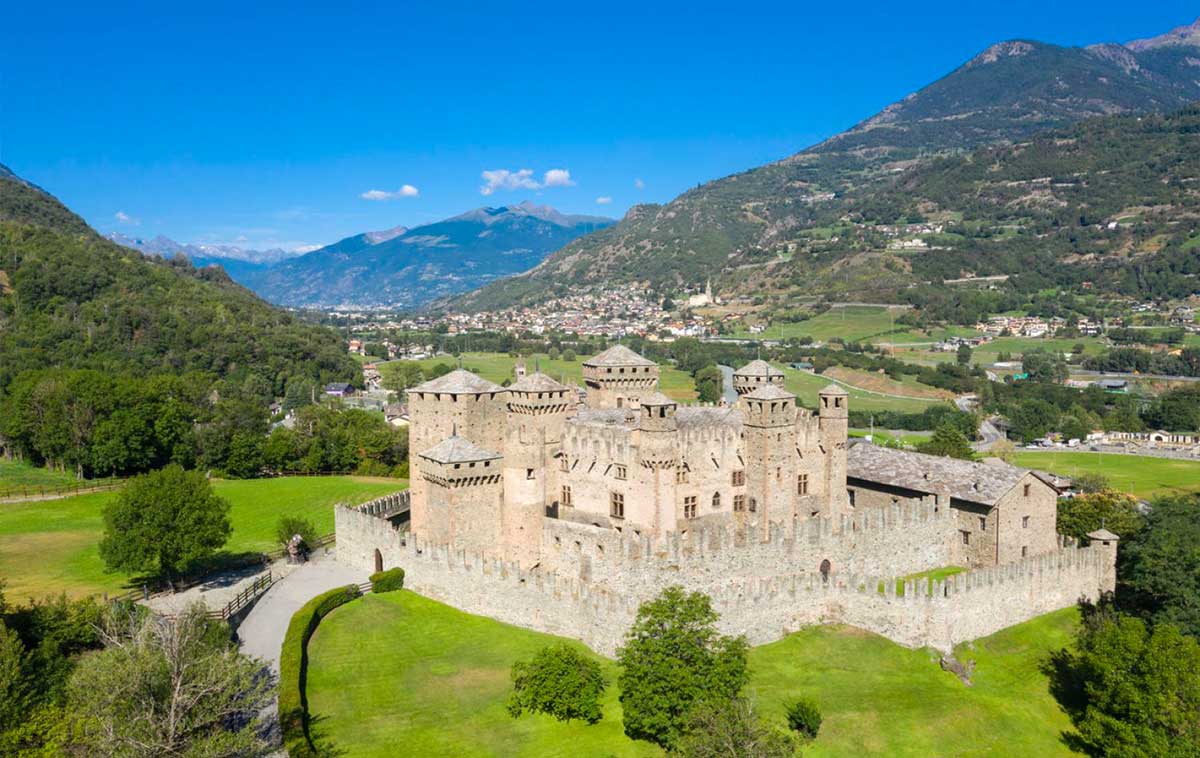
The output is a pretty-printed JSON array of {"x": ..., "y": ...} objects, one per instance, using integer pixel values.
[
  {"x": 1140, "y": 475},
  {"x": 52, "y": 546},
  {"x": 852, "y": 324},
  {"x": 806, "y": 385},
  {"x": 497, "y": 367},
  {"x": 15, "y": 475},
  {"x": 398, "y": 669}
]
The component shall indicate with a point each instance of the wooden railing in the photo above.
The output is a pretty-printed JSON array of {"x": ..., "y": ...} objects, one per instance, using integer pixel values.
[
  {"x": 245, "y": 597},
  {"x": 28, "y": 492}
]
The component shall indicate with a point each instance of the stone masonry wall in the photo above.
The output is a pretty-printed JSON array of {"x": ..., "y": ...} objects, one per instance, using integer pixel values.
[{"x": 598, "y": 611}]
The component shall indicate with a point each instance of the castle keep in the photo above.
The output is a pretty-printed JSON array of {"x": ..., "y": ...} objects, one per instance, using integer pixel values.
[{"x": 532, "y": 507}]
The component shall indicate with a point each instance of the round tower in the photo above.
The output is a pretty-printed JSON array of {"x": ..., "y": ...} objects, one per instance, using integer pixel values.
[
  {"x": 536, "y": 414},
  {"x": 755, "y": 374},
  {"x": 618, "y": 378},
  {"x": 658, "y": 458}
]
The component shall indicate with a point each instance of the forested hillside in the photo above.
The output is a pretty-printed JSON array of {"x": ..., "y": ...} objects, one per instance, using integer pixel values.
[
  {"x": 811, "y": 224},
  {"x": 113, "y": 363}
]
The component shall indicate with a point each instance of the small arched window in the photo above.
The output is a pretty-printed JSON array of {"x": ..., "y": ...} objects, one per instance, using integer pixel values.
[{"x": 716, "y": 500}]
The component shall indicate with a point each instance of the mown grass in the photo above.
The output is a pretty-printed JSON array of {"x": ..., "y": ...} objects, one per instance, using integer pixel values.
[
  {"x": 1139, "y": 475},
  {"x": 52, "y": 546},
  {"x": 401, "y": 670},
  {"x": 497, "y": 367},
  {"x": 807, "y": 385}
]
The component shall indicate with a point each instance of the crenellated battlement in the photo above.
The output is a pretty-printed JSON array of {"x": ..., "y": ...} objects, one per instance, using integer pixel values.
[{"x": 938, "y": 613}]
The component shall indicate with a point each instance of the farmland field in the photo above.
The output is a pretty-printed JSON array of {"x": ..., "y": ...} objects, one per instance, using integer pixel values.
[{"x": 1139, "y": 475}]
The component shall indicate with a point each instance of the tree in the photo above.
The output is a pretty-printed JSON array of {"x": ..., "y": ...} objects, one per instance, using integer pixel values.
[
  {"x": 559, "y": 681},
  {"x": 289, "y": 526},
  {"x": 730, "y": 729},
  {"x": 673, "y": 659},
  {"x": 164, "y": 522},
  {"x": 1003, "y": 449},
  {"x": 1089, "y": 482},
  {"x": 1158, "y": 566},
  {"x": 948, "y": 441},
  {"x": 804, "y": 717},
  {"x": 1044, "y": 367},
  {"x": 569, "y": 356},
  {"x": 709, "y": 384},
  {"x": 963, "y": 355},
  {"x": 1130, "y": 690},
  {"x": 167, "y": 686},
  {"x": 1114, "y": 511},
  {"x": 245, "y": 459}
]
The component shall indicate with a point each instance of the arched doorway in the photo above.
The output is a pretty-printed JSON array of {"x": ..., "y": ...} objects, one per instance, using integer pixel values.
[
  {"x": 826, "y": 567},
  {"x": 379, "y": 561}
]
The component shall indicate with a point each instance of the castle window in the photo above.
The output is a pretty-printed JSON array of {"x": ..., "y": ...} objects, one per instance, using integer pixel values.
[
  {"x": 753, "y": 506},
  {"x": 529, "y": 473},
  {"x": 739, "y": 478},
  {"x": 619, "y": 471},
  {"x": 1027, "y": 488},
  {"x": 566, "y": 495},
  {"x": 564, "y": 464},
  {"x": 851, "y": 494},
  {"x": 982, "y": 524},
  {"x": 681, "y": 475},
  {"x": 802, "y": 484},
  {"x": 616, "y": 505},
  {"x": 689, "y": 506},
  {"x": 1024, "y": 550},
  {"x": 716, "y": 500},
  {"x": 1024, "y": 522},
  {"x": 966, "y": 536},
  {"x": 739, "y": 503}
]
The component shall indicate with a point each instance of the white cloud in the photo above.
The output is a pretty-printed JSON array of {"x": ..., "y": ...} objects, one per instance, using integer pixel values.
[
  {"x": 603, "y": 200},
  {"x": 405, "y": 191},
  {"x": 639, "y": 184},
  {"x": 557, "y": 177},
  {"x": 503, "y": 179},
  {"x": 124, "y": 218}
]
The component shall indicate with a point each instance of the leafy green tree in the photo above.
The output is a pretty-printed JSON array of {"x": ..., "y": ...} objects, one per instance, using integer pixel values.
[
  {"x": 673, "y": 659},
  {"x": 13, "y": 696},
  {"x": 1043, "y": 366},
  {"x": 1082, "y": 514},
  {"x": 1158, "y": 566},
  {"x": 948, "y": 441},
  {"x": 164, "y": 522},
  {"x": 1130, "y": 690},
  {"x": 1089, "y": 482},
  {"x": 804, "y": 717},
  {"x": 718, "y": 729},
  {"x": 963, "y": 355},
  {"x": 166, "y": 686},
  {"x": 398, "y": 376},
  {"x": 709, "y": 384},
  {"x": 289, "y": 526},
  {"x": 569, "y": 356},
  {"x": 559, "y": 681},
  {"x": 245, "y": 459}
]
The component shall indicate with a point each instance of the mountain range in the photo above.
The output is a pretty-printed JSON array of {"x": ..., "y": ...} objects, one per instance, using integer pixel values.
[
  {"x": 397, "y": 267},
  {"x": 806, "y": 224}
]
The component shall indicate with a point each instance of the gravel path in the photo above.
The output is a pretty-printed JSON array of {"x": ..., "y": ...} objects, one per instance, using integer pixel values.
[{"x": 262, "y": 631}]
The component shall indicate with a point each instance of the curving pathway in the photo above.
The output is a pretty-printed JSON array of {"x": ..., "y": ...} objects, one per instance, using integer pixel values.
[{"x": 262, "y": 631}]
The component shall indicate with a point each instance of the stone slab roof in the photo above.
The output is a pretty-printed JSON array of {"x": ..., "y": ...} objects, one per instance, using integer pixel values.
[
  {"x": 605, "y": 416},
  {"x": 965, "y": 480},
  {"x": 457, "y": 449},
  {"x": 769, "y": 392},
  {"x": 692, "y": 417},
  {"x": 758, "y": 368},
  {"x": 537, "y": 382},
  {"x": 618, "y": 355},
  {"x": 657, "y": 398},
  {"x": 834, "y": 389},
  {"x": 459, "y": 382}
]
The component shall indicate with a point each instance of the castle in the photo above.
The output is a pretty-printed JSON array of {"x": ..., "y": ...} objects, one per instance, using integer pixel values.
[{"x": 533, "y": 507}]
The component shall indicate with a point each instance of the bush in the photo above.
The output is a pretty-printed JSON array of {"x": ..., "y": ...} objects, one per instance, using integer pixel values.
[
  {"x": 559, "y": 681},
  {"x": 804, "y": 717},
  {"x": 293, "y": 664},
  {"x": 388, "y": 581}
]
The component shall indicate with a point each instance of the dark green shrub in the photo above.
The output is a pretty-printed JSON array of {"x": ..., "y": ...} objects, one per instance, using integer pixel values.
[
  {"x": 388, "y": 581},
  {"x": 293, "y": 664},
  {"x": 287, "y": 526},
  {"x": 559, "y": 681},
  {"x": 804, "y": 717}
]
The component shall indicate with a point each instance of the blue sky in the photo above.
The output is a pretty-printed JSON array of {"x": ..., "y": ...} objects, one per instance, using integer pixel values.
[{"x": 265, "y": 124}]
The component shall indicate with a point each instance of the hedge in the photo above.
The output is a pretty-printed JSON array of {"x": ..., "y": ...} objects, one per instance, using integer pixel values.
[
  {"x": 293, "y": 664},
  {"x": 388, "y": 581}
]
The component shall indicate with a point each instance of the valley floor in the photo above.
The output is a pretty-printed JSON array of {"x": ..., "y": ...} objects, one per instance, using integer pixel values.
[{"x": 401, "y": 670}]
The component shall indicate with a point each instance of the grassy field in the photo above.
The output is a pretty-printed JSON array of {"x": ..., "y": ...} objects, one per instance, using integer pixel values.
[
  {"x": 51, "y": 546},
  {"x": 1139, "y": 475},
  {"x": 852, "y": 324},
  {"x": 15, "y": 475},
  {"x": 398, "y": 669},
  {"x": 806, "y": 385},
  {"x": 497, "y": 367}
]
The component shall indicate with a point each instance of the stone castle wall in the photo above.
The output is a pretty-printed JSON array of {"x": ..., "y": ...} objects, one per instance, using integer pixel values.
[{"x": 596, "y": 600}]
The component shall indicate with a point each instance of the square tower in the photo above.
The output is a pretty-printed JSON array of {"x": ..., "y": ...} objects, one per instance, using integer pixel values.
[{"x": 618, "y": 378}]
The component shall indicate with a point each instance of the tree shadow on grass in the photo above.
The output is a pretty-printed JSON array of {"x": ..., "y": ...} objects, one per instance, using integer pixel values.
[{"x": 322, "y": 743}]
